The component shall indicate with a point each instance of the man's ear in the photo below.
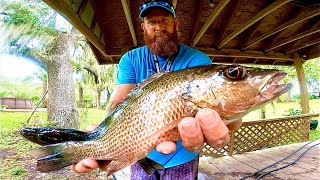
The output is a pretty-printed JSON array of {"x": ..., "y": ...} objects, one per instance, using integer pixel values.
[
  {"x": 142, "y": 26},
  {"x": 177, "y": 24}
]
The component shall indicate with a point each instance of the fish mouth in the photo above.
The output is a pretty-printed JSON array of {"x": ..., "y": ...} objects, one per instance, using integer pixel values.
[{"x": 272, "y": 89}]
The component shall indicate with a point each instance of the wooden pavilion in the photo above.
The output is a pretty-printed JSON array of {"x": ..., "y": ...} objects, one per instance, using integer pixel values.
[{"x": 262, "y": 32}]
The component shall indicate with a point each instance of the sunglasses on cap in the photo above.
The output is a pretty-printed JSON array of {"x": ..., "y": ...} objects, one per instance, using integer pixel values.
[
  {"x": 156, "y": 3},
  {"x": 164, "y": 3}
]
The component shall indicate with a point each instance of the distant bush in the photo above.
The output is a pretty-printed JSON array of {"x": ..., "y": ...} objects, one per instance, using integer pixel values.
[{"x": 292, "y": 112}]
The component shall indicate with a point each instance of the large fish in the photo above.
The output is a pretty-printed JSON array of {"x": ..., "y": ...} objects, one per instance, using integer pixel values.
[{"x": 151, "y": 113}]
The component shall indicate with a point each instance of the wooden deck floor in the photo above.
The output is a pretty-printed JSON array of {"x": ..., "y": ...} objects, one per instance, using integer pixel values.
[{"x": 239, "y": 166}]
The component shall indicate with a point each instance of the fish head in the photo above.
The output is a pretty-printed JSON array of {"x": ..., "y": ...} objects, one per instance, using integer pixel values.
[{"x": 239, "y": 90}]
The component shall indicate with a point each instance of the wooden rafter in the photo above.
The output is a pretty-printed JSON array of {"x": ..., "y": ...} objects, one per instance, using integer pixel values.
[
  {"x": 126, "y": 8},
  {"x": 235, "y": 53},
  {"x": 74, "y": 19},
  {"x": 226, "y": 22},
  {"x": 253, "y": 20},
  {"x": 283, "y": 27},
  {"x": 304, "y": 45},
  {"x": 210, "y": 20},
  {"x": 294, "y": 38},
  {"x": 250, "y": 34},
  {"x": 195, "y": 23}
]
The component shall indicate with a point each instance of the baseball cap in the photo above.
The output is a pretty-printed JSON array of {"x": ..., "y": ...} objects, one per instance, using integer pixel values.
[{"x": 147, "y": 5}]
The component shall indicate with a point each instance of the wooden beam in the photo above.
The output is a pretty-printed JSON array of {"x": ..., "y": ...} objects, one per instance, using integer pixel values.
[
  {"x": 304, "y": 45},
  {"x": 195, "y": 21},
  {"x": 253, "y": 20},
  {"x": 302, "y": 84},
  {"x": 250, "y": 33},
  {"x": 235, "y": 53},
  {"x": 210, "y": 20},
  {"x": 62, "y": 8},
  {"x": 226, "y": 22},
  {"x": 293, "y": 38},
  {"x": 126, "y": 8},
  {"x": 283, "y": 27},
  {"x": 234, "y": 60}
]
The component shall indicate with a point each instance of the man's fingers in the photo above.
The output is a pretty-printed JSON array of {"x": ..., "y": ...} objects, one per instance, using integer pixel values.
[
  {"x": 84, "y": 166},
  {"x": 215, "y": 132},
  {"x": 191, "y": 134},
  {"x": 166, "y": 147}
]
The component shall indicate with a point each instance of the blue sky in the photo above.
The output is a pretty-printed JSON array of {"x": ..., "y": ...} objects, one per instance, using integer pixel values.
[{"x": 16, "y": 67}]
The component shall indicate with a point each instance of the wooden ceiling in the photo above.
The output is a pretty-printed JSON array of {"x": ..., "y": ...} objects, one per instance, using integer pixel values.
[{"x": 228, "y": 31}]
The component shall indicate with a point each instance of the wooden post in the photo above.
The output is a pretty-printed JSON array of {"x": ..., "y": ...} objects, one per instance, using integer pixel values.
[
  {"x": 231, "y": 146},
  {"x": 302, "y": 84}
]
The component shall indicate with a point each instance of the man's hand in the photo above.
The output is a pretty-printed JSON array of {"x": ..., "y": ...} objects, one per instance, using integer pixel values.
[
  {"x": 206, "y": 126},
  {"x": 88, "y": 165}
]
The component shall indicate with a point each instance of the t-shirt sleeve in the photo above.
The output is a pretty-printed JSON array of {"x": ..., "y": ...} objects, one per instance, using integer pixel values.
[
  {"x": 199, "y": 59},
  {"x": 126, "y": 73}
]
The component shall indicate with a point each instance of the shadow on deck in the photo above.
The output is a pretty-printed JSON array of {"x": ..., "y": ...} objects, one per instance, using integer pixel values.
[{"x": 241, "y": 165}]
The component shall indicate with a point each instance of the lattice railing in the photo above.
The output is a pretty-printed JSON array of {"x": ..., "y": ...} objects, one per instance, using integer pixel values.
[{"x": 266, "y": 133}]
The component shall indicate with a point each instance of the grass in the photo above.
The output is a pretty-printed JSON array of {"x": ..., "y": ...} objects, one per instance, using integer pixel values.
[{"x": 280, "y": 109}]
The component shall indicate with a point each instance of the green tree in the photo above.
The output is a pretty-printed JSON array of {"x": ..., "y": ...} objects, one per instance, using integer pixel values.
[{"x": 30, "y": 27}]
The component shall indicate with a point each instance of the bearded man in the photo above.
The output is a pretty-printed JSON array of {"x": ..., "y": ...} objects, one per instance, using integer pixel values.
[{"x": 162, "y": 53}]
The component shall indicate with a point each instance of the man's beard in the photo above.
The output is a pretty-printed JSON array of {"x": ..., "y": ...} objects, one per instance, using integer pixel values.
[{"x": 163, "y": 43}]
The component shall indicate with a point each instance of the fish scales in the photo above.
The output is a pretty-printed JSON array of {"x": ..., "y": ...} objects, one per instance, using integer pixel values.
[{"x": 150, "y": 114}]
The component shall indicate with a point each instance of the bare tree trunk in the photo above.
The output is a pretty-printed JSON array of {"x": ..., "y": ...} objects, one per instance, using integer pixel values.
[
  {"x": 61, "y": 104},
  {"x": 98, "y": 97},
  {"x": 263, "y": 112},
  {"x": 81, "y": 103},
  {"x": 44, "y": 90}
]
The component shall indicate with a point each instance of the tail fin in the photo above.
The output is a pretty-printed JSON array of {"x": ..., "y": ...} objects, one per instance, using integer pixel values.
[{"x": 56, "y": 156}]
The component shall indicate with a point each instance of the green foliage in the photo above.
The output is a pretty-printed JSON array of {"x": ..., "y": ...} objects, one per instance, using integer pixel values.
[
  {"x": 16, "y": 171},
  {"x": 314, "y": 135},
  {"x": 292, "y": 112},
  {"x": 17, "y": 89}
]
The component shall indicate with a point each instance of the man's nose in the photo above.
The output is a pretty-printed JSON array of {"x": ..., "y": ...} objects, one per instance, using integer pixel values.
[{"x": 159, "y": 26}]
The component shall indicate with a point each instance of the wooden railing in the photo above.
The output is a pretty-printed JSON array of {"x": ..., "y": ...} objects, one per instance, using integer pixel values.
[{"x": 265, "y": 133}]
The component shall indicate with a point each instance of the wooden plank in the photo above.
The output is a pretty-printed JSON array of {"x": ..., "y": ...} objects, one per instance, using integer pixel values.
[
  {"x": 250, "y": 34},
  {"x": 65, "y": 10},
  {"x": 253, "y": 20},
  {"x": 210, "y": 20},
  {"x": 228, "y": 170},
  {"x": 242, "y": 169},
  {"x": 283, "y": 27},
  {"x": 86, "y": 13},
  {"x": 304, "y": 45},
  {"x": 269, "y": 157},
  {"x": 302, "y": 84},
  {"x": 293, "y": 38},
  {"x": 226, "y": 22},
  {"x": 235, "y": 53},
  {"x": 209, "y": 169},
  {"x": 301, "y": 169},
  {"x": 126, "y": 8},
  {"x": 195, "y": 21}
]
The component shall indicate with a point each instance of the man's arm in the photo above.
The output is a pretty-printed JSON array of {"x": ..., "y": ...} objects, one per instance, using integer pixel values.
[{"x": 119, "y": 94}]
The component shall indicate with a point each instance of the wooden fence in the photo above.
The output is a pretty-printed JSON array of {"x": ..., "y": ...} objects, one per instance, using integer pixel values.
[
  {"x": 16, "y": 103},
  {"x": 266, "y": 133}
]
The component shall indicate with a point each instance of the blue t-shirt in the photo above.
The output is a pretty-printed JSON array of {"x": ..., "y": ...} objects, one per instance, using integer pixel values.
[{"x": 138, "y": 64}]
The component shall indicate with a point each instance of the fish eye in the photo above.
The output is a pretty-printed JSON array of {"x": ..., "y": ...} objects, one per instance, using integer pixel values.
[{"x": 235, "y": 72}]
